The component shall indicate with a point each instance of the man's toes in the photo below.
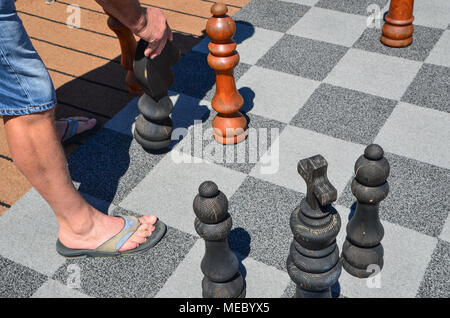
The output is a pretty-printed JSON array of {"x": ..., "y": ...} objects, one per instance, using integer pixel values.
[
  {"x": 143, "y": 227},
  {"x": 146, "y": 233},
  {"x": 128, "y": 246},
  {"x": 146, "y": 228},
  {"x": 86, "y": 125},
  {"x": 139, "y": 239},
  {"x": 148, "y": 219}
]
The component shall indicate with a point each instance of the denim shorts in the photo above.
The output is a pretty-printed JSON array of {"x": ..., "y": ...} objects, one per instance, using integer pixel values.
[{"x": 25, "y": 85}]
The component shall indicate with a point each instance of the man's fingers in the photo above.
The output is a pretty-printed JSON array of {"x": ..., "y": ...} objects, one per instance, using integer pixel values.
[
  {"x": 152, "y": 46},
  {"x": 148, "y": 51},
  {"x": 159, "y": 49},
  {"x": 156, "y": 47}
]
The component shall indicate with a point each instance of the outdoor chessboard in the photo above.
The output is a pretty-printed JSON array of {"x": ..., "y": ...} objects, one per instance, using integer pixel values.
[{"x": 313, "y": 73}]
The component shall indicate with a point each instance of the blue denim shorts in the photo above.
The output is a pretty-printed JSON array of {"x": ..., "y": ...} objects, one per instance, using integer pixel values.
[{"x": 25, "y": 85}]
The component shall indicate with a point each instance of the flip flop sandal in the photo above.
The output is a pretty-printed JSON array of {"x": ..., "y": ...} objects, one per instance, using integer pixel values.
[
  {"x": 70, "y": 134},
  {"x": 112, "y": 246}
]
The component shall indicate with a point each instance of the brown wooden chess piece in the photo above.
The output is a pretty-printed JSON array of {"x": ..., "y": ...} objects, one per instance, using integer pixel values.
[
  {"x": 398, "y": 29},
  {"x": 230, "y": 126},
  {"x": 128, "y": 48}
]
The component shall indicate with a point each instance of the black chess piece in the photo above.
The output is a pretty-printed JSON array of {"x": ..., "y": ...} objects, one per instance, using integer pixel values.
[
  {"x": 219, "y": 265},
  {"x": 153, "y": 127},
  {"x": 313, "y": 262},
  {"x": 362, "y": 246}
]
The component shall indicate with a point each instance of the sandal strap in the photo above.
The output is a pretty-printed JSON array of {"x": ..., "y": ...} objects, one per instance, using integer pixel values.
[
  {"x": 117, "y": 241},
  {"x": 71, "y": 129}
]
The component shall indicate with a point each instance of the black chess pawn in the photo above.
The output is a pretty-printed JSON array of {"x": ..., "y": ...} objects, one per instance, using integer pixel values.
[
  {"x": 219, "y": 265},
  {"x": 313, "y": 262},
  {"x": 153, "y": 127},
  {"x": 362, "y": 247}
]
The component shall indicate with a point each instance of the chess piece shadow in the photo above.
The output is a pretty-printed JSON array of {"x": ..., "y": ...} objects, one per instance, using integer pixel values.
[
  {"x": 185, "y": 114},
  {"x": 244, "y": 31},
  {"x": 99, "y": 165},
  {"x": 249, "y": 96},
  {"x": 239, "y": 240},
  {"x": 336, "y": 290},
  {"x": 352, "y": 210}
]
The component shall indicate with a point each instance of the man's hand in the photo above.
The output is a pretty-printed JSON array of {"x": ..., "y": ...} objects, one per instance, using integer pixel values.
[
  {"x": 154, "y": 29},
  {"x": 149, "y": 24}
]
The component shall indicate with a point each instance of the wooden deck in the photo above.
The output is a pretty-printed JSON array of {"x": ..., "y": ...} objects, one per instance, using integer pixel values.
[{"x": 84, "y": 63}]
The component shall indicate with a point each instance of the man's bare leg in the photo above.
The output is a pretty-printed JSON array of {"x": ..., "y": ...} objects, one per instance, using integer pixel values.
[{"x": 37, "y": 153}]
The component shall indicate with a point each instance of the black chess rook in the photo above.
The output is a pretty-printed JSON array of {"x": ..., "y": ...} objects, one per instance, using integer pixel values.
[
  {"x": 362, "y": 252},
  {"x": 153, "y": 126},
  {"x": 213, "y": 223},
  {"x": 313, "y": 262}
]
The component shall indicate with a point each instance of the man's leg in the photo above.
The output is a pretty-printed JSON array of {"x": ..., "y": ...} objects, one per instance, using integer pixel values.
[
  {"x": 27, "y": 100},
  {"x": 37, "y": 153}
]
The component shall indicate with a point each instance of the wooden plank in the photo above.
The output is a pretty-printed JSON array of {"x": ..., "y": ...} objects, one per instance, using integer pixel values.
[
  {"x": 78, "y": 39},
  {"x": 12, "y": 183},
  {"x": 4, "y": 150},
  {"x": 185, "y": 23},
  {"x": 88, "y": 4},
  {"x": 89, "y": 96},
  {"x": 235, "y": 3},
  {"x": 199, "y": 8},
  {"x": 81, "y": 65},
  {"x": 57, "y": 11},
  {"x": 96, "y": 21}
]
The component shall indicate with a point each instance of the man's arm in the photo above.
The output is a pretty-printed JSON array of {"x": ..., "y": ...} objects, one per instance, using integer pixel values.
[{"x": 149, "y": 24}]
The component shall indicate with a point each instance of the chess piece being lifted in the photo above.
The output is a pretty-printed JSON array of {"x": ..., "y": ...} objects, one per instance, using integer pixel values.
[
  {"x": 313, "y": 262},
  {"x": 153, "y": 127},
  {"x": 128, "y": 49},
  {"x": 362, "y": 248},
  {"x": 219, "y": 265},
  {"x": 230, "y": 126},
  {"x": 398, "y": 29}
]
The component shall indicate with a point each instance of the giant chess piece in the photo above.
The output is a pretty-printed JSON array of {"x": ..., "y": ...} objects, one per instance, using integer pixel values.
[
  {"x": 398, "y": 29},
  {"x": 362, "y": 247},
  {"x": 230, "y": 126},
  {"x": 128, "y": 49},
  {"x": 153, "y": 127},
  {"x": 219, "y": 265},
  {"x": 313, "y": 262}
]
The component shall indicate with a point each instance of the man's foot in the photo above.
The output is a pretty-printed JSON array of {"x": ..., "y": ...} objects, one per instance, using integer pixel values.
[
  {"x": 84, "y": 124},
  {"x": 102, "y": 227}
]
